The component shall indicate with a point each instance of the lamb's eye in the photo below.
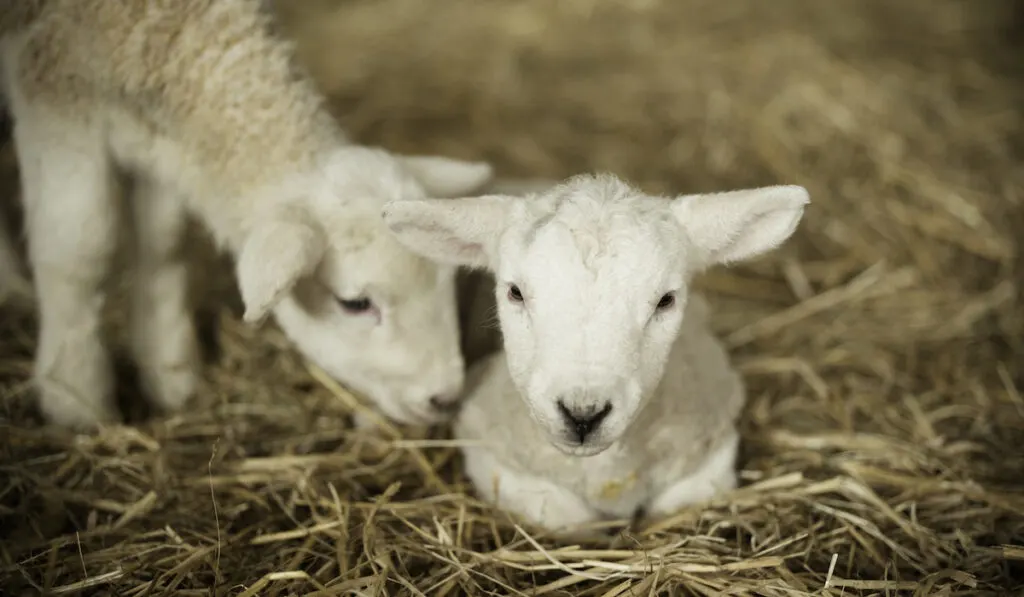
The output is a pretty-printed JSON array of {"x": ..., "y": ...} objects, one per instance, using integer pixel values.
[
  {"x": 357, "y": 305},
  {"x": 667, "y": 301},
  {"x": 514, "y": 294}
]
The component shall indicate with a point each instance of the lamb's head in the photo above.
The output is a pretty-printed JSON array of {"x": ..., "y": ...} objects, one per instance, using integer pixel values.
[
  {"x": 373, "y": 314},
  {"x": 592, "y": 277}
]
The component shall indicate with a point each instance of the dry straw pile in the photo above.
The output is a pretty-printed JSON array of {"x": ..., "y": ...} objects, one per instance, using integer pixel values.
[{"x": 884, "y": 439}]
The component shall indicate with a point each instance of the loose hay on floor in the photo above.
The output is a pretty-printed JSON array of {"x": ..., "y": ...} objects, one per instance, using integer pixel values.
[{"x": 884, "y": 439}]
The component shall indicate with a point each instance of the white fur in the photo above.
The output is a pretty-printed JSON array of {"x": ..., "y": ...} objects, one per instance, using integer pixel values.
[
  {"x": 592, "y": 258},
  {"x": 207, "y": 112}
]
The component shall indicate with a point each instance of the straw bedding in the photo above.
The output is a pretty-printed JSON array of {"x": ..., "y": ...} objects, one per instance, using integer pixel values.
[{"x": 884, "y": 437}]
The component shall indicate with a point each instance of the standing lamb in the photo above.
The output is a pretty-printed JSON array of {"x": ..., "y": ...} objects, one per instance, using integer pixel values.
[
  {"x": 613, "y": 395},
  {"x": 209, "y": 113}
]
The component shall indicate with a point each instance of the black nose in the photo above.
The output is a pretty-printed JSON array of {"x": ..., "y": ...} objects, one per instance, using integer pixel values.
[
  {"x": 444, "y": 403},
  {"x": 583, "y": 420}
]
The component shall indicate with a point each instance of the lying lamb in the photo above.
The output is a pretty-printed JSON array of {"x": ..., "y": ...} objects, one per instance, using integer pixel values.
[
  {"x": 613, "y": 396},
  {"x": 208, "y": 113}
]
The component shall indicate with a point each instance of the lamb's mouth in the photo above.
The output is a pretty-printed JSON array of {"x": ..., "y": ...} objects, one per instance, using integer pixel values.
[{"x": 578, "y": 450}]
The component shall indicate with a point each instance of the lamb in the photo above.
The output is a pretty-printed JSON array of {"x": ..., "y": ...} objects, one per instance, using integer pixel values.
[
  {"x": 613, "y": 397},
  {"x": 206, "y": 113}
]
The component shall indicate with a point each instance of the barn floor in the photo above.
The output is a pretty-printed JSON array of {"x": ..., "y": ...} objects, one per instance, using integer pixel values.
[{"x": 884, "y": 437}]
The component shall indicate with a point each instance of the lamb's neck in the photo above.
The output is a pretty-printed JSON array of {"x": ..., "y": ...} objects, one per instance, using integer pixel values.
[{"x": 264, "y": 152}]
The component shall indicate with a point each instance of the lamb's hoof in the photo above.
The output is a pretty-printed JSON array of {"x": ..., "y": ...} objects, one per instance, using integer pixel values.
[
  {"x": 171, "y": 387},
  {"x": 64, "y": 407}
]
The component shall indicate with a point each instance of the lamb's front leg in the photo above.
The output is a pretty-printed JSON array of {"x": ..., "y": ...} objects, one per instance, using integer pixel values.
[
  {"x": 530, "y": 497},
  {"x": 715, "y": 476},
  {"x": 163, "y": 334},
  {"x": 71, "y": 216}
]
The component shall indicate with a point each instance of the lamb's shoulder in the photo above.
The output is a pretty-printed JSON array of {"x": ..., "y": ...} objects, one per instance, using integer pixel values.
[{"x": 77, "y": 51}]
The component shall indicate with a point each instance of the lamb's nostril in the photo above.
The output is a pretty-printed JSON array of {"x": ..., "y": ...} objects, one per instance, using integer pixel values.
[
  {"x": 583, "y": 421},
  {"x": 445, "y": 403}
]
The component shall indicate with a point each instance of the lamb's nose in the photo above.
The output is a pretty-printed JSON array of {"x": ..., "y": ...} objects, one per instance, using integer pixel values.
[{"x": 582, "y": 421}]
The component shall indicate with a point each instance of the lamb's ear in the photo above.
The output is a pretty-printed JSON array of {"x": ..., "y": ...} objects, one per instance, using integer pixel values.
[
  {"x": 454, "y": 231},
  {"x": 738, "y": 225},
  {"x": 276, "y": 254},
  {"x": 443, "y": 177}
]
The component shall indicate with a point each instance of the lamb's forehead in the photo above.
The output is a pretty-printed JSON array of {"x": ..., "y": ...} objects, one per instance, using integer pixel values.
[
  {"x": 378, "y": 263},
  {"x": 401, "y": 273},
  {"x": 366, "y": 178},
  {"x": 360, "y": 182},
  {"x": 599, "y": 219}
]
